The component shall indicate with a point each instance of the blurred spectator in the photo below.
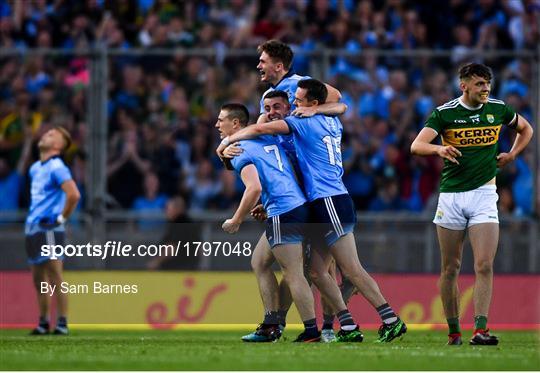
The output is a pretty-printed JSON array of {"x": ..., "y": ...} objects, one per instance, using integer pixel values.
[
  {"x": 180, "y": 228},
  {"x": 161, "y": 108},
  {"x": 152, "y": 201}
]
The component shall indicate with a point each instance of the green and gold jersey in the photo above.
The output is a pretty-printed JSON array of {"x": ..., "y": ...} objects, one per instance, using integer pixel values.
[{"x": 475, "y": 132}]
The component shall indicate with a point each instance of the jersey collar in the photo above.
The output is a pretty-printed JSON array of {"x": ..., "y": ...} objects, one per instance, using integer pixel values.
[
  {"x": 469, "y": 107},
  {"x": 48, "y": 159},
  {"x": 289, "y": 74}
]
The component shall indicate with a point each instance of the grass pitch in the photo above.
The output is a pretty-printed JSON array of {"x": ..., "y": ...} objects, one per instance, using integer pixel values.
[{"x": 223, "y": 350}]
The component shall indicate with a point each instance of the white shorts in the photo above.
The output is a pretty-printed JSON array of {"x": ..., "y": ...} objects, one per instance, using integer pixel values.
[{"x": 457, "y": 211}]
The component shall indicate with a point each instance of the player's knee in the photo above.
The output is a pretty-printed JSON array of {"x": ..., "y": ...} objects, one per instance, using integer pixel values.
[
  {"x": 451, "y": 270},
  {"x": 315, "y": 275},
  {"x": 483, "y": 267},
  {"x": 258, "y": 265}
]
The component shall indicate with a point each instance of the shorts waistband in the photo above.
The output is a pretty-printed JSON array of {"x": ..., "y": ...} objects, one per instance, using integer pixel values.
[{"x": 487, "y": 187}]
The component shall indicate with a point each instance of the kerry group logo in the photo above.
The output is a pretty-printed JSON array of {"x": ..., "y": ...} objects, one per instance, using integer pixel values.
[{"x": 480, "y": 136}]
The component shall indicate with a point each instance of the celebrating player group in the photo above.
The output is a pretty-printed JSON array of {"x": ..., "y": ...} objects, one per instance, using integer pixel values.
[{"x": 291, "y": 160}]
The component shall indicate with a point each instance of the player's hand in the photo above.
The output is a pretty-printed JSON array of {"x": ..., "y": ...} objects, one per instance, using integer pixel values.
[
  {"x": 450, "y": 153},
  {"x": 259, "y": 213},
  {"x": 304, "y": 112},
  {"x": 504, "y": 158},
  {"x": 231, "y": 226},
  {"x": 233, "y": 150},
  {"x": 222, "y": 145},
  {"x": 51, "y": 222}
]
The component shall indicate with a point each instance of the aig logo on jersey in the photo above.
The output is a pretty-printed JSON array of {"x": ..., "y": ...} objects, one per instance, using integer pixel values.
[
  {"x": 490, "y": 118},
  {"x": 480, "y": 136}
]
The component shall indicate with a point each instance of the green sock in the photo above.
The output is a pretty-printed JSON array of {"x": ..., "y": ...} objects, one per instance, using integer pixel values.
[
  {"x": 453, "y": 325},
  {"x": 480, "y": 322}
]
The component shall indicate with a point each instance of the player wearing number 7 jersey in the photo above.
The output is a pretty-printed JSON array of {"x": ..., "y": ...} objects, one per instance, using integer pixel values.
[
  {"x": 317, "y": 142},
  {"x": 266, "y": 171}
]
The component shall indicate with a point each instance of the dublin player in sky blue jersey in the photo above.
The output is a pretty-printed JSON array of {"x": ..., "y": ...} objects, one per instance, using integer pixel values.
[
  {"x": 266, "y": 171},
  {"x": 275, "y": 61},
  {"x": 54, "y": 196},
  {"x": 317, "y": 141}
]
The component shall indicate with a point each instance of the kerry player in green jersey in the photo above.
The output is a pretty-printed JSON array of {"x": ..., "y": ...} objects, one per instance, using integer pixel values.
[{"x": 469, "y": 127}]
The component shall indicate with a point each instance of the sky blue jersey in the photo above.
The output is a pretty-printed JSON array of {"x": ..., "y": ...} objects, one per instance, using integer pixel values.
[
  {"x": 288, "y": 84},
  {"x": 318, "y": 147},
  {"x": 46, "y": 194},
  {"x": 280, "y": 190}
]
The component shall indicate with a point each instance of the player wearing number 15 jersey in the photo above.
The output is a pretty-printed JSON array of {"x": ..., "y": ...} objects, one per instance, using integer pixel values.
[{"x": 317, "y": 142}]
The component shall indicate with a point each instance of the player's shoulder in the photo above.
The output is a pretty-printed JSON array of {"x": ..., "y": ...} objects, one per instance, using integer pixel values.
[
  {"x": 265, "y": 93},
  {"x": 56, "y": 163},
  {"x": 34, "y": 167},
  {"x": 452, "y": 104},
  {"x": 494, "y": 101},
  {"x": 292, "y": 79}
]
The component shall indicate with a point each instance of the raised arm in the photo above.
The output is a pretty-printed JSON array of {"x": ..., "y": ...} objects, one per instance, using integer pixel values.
[
  {"x": 251, "y": 195},
  {"x": 422, "y": 146}
]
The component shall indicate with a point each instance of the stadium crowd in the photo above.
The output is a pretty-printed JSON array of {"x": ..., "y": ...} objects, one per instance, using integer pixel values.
[{"x": 162, "y": 108}]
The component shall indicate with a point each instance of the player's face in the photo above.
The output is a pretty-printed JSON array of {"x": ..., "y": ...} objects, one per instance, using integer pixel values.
[
  {"x": 268, "y": 68},
  {"x": 300, "y": 99},
  {"x": 276, "y": 108},
  {"x": 477, "y": 88},
  {"x": 52, "y": 139},
  {"x": 224, "y": 124}
]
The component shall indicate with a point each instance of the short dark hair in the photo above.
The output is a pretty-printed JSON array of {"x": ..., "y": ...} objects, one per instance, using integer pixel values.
[
  {"x": 65, "y": 135},
  {"x": 315, "y": 90},
  {"x": 277, "y": 93},
  {"x": 278, "y": 51},
  {"x": 471, "y": 69},
  {"x": 237, "y": 111}
]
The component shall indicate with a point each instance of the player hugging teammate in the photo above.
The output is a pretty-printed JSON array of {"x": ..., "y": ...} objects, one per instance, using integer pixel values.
[{"x": 307, "y": 149}]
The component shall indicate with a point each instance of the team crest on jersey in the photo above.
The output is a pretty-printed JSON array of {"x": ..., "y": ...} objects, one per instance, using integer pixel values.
[
  {"x": 479, "y": 136},
  {"x": 490, "y": 118},
  {"x": 439, "y": 215}
]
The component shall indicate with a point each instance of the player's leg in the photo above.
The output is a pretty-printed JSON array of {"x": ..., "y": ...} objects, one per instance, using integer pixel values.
[
  {"x": 339, "y": 213},
  {"x": 290, "y": 258},
  {"x": 285, "y": 302},
  {"x": 54, "y": 270},
  {"x": 33, "y": 244},
  {"x": 327, "y": 331},
  {"x": 261, "y": 263},
  {"x": 484, "y": 241},
  {"x": 39, "y": 276},
  {"x": 345, "y": 253},
  {"x": 320, "y": 262},
  {"x": 451, "y": 246}
]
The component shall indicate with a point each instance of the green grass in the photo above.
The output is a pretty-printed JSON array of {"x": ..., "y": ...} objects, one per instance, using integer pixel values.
[{"x": 207, "y": 350}]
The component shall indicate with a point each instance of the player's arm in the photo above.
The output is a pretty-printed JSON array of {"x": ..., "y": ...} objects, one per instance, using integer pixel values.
[
  {"x": 330, "y": 109},
  {"x": 251, "y": 195},
  {"x": 524, "y": 135},
  {"x": 72, "y": 197},
  {"x": 422, "y": 145},
  {"x": 334, "y": 95},
  {"x": 275, "y": 127}
]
